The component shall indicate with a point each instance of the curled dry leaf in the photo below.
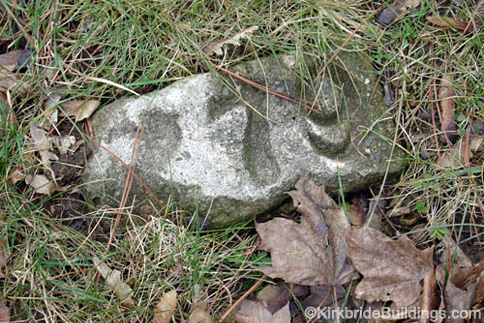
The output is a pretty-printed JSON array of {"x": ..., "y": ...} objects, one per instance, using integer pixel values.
[
  {"x": 16, "y": 176},
  {"x": 448, "y": 252},
  {"x": 460, "y": 152},
  {"x": 43, "y": 144},
  {"x": 8, "y": 80},
  {"x": 312, "y": 252},
  {"x": 80, "y": 109},
  {"x": 429, "y": 298},
  {"x": 40, "y": 183},
  {"x": 254, "y": 312},
  {"x": 465, "y": 277},
  {"x": 199, "y": 315},
  {"x": 463, "y": 289},
  {"x": 447, "y": 22},
  {"x": 447, "y": 106},
  {"x": 39, "y": 137},
  {"x": 216, "y": 47},
  {"x": 113, "y": 280},
  {"x": 15, "y": 59},
  {"x": 399, "y": 7},
  {"x": 63, "y": 143},
  {"x": 165, "y": 308},
  {"x": 392, "y": 269}
]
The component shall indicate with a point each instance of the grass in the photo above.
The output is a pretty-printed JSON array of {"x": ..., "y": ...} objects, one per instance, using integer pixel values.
[{"x": 146, "y": 45}]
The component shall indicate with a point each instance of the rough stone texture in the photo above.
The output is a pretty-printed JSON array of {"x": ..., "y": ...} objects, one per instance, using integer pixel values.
[{"x": 232, "y": 151}]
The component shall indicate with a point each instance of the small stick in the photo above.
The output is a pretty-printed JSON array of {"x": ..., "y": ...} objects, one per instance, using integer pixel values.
[
  {"x": 157, "y": 200},
  {"x": 246, "y": 294}
]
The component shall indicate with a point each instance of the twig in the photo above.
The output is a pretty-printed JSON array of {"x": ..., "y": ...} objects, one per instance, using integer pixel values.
[
  {"x": 150, "y": 192},
  {"x": 246, "y": 294},
  {"x": 128, "y": 183},
  {"x": 292, "y": 98}
]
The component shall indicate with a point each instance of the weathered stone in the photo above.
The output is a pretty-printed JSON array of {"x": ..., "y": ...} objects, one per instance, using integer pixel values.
[{"x": 231, "y": 151}]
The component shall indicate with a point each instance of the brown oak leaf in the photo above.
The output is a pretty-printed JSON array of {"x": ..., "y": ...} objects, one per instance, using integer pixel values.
[
  {"x": 392, "y": 269},
  {"x": 312, "y": 252}
]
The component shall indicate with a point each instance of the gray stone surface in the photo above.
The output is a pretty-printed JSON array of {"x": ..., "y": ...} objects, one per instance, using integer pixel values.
[{"x": 231, "y": 151}]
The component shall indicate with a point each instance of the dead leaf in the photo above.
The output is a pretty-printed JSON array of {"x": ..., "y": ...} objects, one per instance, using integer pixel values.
[
  {"x": 51, "y": 115},
  {"x": 40, "y": 183},
  {"x": 16, "y": 176},
  {"x": 447, "y": 248},
  {"x": 113, "y": 280},
  {"x": 459, "y": 297},
  {"x": 216, "y": 47},
  {"x": 429, "y": 298},
  {"x": 464, "y": 287},
  {"x": 254, "y": 312},
  {"x": 4, "y": 313},
  {"x": 274, "y": 297},
  {"x": 39, "y": 137},
  {"x": 43, "y": 144},
  {"x": 447, "y": 106},
  {"x": 447, "y": 22},
  {"x": 356, "y": 213},
  {"x": 463, "y": 150},
  {"x": 464, "y": 277},
  {"x": 165, "y": 308},
  {"x": 199, "y": 315},
  {"x": 14, "y": 59},
  {"x": 63, "y": 143},
  {"x": 312, "y": 252},
  {"x": 323, "y": 296},
  {"x": 475, "y": 144},
  {"x": 398, "y": 8},
  {"x": 80, "y": 109},
  {"x": 460, "y": 153},
  {"x": 392, "y": 269},
  {"x": 4, "y": 255},
  {"x": 9, "y": 81}
]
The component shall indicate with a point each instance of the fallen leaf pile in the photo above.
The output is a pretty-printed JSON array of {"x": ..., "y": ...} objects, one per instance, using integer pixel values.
[
  {"x": 45, "y": 139},
  {"x": 325, "y": 253}
]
